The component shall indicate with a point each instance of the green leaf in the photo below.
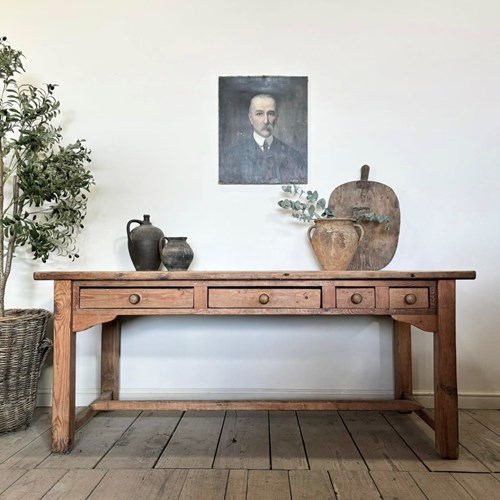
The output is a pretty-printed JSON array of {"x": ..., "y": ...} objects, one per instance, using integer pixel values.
[{"x": 313, "y": 197}]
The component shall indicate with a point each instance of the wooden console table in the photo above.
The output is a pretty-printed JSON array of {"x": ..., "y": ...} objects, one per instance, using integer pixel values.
[{"x": 422, "y": 299}]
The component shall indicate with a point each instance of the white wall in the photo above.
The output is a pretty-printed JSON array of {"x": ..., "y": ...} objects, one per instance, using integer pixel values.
[{"x": 411, "y": 88}]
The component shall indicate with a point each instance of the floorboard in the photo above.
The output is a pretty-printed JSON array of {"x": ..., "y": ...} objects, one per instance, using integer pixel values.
[
  {"x": 194, "y": 442},
  {"x": 33, "y": 485},
  {"x": 8, "y": 477},
  {"x": 93, "y": 441},
  {"x": 420, "y": 438},
  {"x": 311, "y": 485},
  {"x": 76, "y": 484},
  {"x": 287, "y": 448},
  {"x": 354, "y": 485},
  {"x": 140, "y": 485},
  {"x": 439, "y": 485},
  {"x": 483, "y": 443},
  {"x": 380, "y": 445},
  {"x": 328, "y": 443},
  {"x": 13, "y": 442},
  {"x": 397, "y": 485},
  {"x": 479, "y": 486},
  {"x": 252, "y": 455},
  {"x": 236, "y": 488},
  {"x": 268, "y": 485},
  {"x": 31, "y": 455},
  {"x": 209, "y": 484},
  {"x": 142, "y": 443},
  {"x": 489, "y": 418},
  {"x": 244, "y": 442}
]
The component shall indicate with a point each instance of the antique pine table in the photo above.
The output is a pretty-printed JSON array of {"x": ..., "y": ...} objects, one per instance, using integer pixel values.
[{"x": 425, "y": 300}]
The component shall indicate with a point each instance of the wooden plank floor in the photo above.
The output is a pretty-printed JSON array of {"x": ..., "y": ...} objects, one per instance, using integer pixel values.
[{"x": 252, "y": 455}]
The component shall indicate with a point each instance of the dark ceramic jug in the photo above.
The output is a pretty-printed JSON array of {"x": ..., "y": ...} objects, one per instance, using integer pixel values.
[
  {"x": 176, "y": 254},
  {"x": 143, "y": 244}
]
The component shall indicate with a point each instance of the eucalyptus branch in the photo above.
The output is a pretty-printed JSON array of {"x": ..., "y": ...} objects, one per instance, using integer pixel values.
[{"x": 309, "y": 210}]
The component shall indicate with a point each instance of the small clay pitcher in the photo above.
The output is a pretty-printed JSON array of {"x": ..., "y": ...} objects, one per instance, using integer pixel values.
[
  {"x": 143, "y": 244},
  {"x": 335, "y": 242},
  {"x": 176, "y": 254}
]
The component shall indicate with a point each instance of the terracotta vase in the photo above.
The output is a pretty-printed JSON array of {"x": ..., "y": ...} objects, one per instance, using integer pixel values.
[{"x": 335, "y": 242}]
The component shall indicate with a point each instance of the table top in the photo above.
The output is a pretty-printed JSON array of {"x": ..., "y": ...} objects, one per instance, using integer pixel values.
[{"x": 250, "y": 275}]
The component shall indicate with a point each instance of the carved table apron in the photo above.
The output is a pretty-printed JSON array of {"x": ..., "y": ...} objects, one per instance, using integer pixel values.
[{"x": 425, "y": 300}]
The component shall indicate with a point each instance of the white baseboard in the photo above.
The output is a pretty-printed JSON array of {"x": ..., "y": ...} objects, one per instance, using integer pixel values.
[{"x": 466, "y": 400}]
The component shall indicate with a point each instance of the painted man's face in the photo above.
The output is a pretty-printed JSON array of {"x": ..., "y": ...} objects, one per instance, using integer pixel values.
[{"x": 263, "y": 115}]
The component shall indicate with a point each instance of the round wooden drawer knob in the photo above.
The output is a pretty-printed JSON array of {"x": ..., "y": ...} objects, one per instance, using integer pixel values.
[
  {"x": 135, "y": 298},
  {"x": 263, "y": 298},
  {"x": 356, "y": 298},
  {"x": 410, "y": 299}
]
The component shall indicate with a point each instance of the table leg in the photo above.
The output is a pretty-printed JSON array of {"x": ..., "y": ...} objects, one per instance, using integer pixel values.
[
  {"x": 402, "y": 360},
  {"x": 110, "y": 358},
  {"x": 63, "y": 390},
  {"x": 445, "y": 372}
]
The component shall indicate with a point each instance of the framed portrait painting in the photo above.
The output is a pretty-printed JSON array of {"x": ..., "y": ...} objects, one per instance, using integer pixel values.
[{"x": 263, "y": 130}]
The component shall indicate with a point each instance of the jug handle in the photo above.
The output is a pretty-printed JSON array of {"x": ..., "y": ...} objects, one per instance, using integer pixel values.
[
  {"x": 361, "y": 232},
  {"x": 161, "y": 243},
  {"x": 309, "y": 232},
  {"x": 130, "y": 222}
]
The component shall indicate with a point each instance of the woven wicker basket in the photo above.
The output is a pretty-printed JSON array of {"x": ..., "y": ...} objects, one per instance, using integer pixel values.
[{"x": 23, "y": 349}]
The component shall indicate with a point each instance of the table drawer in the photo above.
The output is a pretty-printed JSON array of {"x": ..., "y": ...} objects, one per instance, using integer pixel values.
[
  {"x": 136, "y": 298},
  {"x": 350, "y": 297},
  {"x": 281, "y": 298},
  {"x": 409, "y": 298}
]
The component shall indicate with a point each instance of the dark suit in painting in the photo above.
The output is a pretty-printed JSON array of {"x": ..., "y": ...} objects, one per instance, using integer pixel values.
[{"x": 247, "y": 163}]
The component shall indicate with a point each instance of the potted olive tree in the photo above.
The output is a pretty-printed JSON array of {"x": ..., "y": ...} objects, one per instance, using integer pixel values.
[{"x": 43, "y": 187}]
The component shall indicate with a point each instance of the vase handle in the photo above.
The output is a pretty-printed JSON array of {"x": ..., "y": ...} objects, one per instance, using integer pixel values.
[
  {"x": 309, "y": 232},
  {"x": 137, "y": 221},
  {"x": 161, "y": 243},
  {"x": 361, "y": 232}
]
